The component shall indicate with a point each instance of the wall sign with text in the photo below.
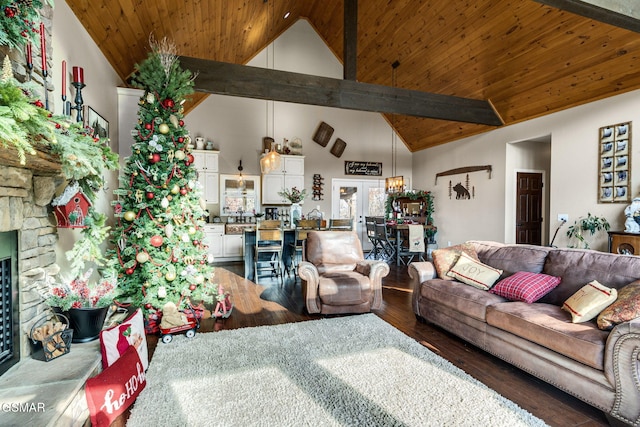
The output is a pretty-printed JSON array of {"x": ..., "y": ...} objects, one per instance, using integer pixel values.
[{"x": 362, "y": 168}]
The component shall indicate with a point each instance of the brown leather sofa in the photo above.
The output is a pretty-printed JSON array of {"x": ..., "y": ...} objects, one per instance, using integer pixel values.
[
  {"x": 599, "y": 367},
  {"x": 335, "y": 276}
]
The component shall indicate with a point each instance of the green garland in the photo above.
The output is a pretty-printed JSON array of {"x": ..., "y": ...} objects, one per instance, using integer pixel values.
[
  {"x": 415, "y": 195},
  {"x": 19, "y": 21}
]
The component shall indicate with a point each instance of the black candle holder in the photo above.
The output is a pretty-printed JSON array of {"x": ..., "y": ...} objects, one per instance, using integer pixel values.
[{"x": 78, "y": 100}]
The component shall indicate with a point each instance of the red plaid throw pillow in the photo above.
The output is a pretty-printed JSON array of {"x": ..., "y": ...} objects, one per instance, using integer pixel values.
[{"x": 525, "y": 286}]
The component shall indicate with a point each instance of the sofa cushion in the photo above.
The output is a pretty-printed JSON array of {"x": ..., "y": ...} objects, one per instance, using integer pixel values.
[
  {"x": 457, "y": 296},
  {"x": 580, "y": 266},
  {"x": 473, "y": 272},
  {"x": 589, "y": 301},
  {"x": 549, "y": 326},
  {"x": 624, "y": 309},
  {"x": 344, "y": 288},
  {"x": 444, "y": 259},
  {"x": 511, "y": 258},
  {"x": 525, "y": 286}
]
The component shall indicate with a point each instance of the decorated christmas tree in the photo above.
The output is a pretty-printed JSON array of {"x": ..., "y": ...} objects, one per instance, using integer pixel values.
[{"x": 158, "y": 239}]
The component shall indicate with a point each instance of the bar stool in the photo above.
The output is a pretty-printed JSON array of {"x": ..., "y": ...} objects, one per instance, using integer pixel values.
[
  {"x": 302, "y": 228},
  {"x": 268, "y": 248}
]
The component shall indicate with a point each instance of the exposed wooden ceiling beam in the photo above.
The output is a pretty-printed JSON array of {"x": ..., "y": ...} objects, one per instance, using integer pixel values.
[
  {"x": 261, "y": 83},
  {"x": 620, "y": 13},
  {"x": 350, "y": 45}
]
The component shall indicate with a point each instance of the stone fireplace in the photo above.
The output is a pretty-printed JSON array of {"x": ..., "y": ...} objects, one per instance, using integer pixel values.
[{"x": 25, "y": 196}]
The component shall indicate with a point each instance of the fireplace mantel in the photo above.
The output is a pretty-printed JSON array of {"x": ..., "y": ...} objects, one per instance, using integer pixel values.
[{"x": 43, "y": 162}]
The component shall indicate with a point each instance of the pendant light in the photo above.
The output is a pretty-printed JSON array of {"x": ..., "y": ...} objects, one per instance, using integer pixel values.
[
  {"x": 270, "y": 161},
  {"x": 240, "y": 177},
  {"x": 394, "y": 183}
]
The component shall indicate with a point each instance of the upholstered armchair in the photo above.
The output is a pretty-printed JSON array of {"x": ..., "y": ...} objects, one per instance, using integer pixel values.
[{"x": 335, "y": 276}]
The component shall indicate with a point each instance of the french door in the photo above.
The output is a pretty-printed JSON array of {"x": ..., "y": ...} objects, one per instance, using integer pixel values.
[{"x": 356, "y": 198}]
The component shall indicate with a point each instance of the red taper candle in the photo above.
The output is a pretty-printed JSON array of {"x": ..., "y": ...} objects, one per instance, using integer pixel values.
[
  {"x": 64, "y": 79},
  {"x": 29, "y": 56},
  {"x": 43, "y": 48}
]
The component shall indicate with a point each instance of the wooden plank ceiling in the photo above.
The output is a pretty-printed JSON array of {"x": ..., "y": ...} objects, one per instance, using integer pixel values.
[{"x": 527, "y": 58}]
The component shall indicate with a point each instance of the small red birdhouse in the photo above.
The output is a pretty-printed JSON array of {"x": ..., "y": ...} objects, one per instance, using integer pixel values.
[{"x": 71, "y": 207}]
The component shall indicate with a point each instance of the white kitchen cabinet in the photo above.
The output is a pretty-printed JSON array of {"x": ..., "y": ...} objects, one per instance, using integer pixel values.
[
  {"x": 290, "y": 174},
  {"x": 233, "y": 245},
  {"x": 206, "y": 163},
  {"x": 214, "y": 238}
]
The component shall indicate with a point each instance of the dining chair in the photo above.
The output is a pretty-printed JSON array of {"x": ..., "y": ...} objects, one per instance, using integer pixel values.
[
  {"x": 268, "y": 249},
  {"x": 387, "y": 241},
  {"x": 340, "y": 224},
  {"x": 370, "y": 225}
]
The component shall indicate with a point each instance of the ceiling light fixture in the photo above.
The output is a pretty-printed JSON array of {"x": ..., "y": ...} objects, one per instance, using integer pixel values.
[
  {"x": 270, "y": 161},
  {"x": 395, "y": 183},
  {"x": 240, "y": 177}
]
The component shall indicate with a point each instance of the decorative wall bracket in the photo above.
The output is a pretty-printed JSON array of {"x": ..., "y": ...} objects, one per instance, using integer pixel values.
[{"x": 465, "y": 169}]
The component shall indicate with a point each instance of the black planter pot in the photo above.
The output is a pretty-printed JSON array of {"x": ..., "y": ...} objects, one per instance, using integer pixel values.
[{"x": 86, "y": 323}]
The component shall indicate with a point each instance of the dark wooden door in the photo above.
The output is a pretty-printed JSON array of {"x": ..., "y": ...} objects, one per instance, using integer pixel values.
[{"x": 529, "y": 208}]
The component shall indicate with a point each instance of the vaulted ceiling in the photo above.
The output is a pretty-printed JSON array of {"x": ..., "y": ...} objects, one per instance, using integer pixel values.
[{"x": 526, "y": 58}]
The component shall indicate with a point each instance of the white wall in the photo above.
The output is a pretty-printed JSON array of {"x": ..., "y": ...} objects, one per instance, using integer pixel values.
[
  {"x": 72, "y": 43},
  {"x": 237, "y": 125},
  {"x": 572, "y": 179}
]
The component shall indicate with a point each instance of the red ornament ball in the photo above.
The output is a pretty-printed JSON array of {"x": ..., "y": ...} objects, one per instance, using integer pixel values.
[
  {"x": 156, "y": 241},
  {"x": 150, "y": 195},
  {"x": 192, "y": 287},
  {"x": 196, "y": 242},
  {"x": 38, "y": 103},
  {"x": 181, "y": 122},
  {"x": 180, "y": 140},
  {"x": 154, "y": 158},
  {"x": 148, "y": 306},
  {"x": 148, "y": 126},
  {"x": 183, "y": 191},
  {"x": 168, "y": 103},
  {"x": 9, "y": 12},
  {"x": 190, "y": 158},
  {"x": 129, "y": 271}
]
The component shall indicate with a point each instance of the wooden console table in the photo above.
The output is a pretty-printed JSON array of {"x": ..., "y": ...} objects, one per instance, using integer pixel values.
[{"x": 624, "y": 243}]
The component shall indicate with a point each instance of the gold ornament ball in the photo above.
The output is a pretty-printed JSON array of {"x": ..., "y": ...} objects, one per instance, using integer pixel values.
[
  {"x": 170, "y": 276},
  {"x": 175, "y": 189},
  {"x": 129, "y": 216},
  {"x": 179, "y": 154},
  {"x": 164, "y": 128}
]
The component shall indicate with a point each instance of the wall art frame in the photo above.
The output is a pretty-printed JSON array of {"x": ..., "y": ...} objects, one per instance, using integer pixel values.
[
  {"x": 614, "y": 169},
  {"x": 98, "y": 126}
]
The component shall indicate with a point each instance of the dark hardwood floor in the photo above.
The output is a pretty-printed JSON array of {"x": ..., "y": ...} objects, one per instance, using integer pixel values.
[{"x": 271, "y": 302}]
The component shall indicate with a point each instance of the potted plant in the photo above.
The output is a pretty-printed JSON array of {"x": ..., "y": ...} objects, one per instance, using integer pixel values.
[
  {"x": 296, "y": 197},
  {"x": 85, "y": 303},
  {"x": 591, "y": 224}
]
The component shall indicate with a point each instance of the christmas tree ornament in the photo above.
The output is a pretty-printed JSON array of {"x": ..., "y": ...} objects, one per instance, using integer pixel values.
[
  {"x": 183, "y": 191},
  {"x": 162, "y": 292},
  {"x": 142, "y": 257},
  {"x": 181, "y": 122},
  {"x": 168, "y": 103},
  {"x": 148, "y": 126},
  {"x": 168, "y": 231},
  {"x": 164, "y": 128},
  {"x": 129, "y": 271},
  {"x": 175, "y": 189},
  {"x": 148, "y": 306},
  {"x": 154, "y": 158},
  {"x": 150, "y": 98},
  {"x": 192, "y": 287},
  {"x": 164, "y": 202},
  {"x": 156, "y": 241},
  {"x": 180, "y": 155},
  {"x": 203, "y": 204},
  {"x": 129, "y": 216},
  {"x": 190, "y": 158},
  {"x": 150, "y": 195},
  {"x": 174, "y": 120},
  {"x": 185, "y": 238},
  {"x": 170, "y": 276},
  {"x": 191, "y": 230}
]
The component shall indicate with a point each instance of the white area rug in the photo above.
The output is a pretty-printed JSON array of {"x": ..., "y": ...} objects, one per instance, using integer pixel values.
[{"x": 348, "y": 371}]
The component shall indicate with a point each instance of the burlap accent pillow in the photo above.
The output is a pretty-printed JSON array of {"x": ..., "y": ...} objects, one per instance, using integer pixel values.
[
  {"x": 474, "y": 273},
  {"x": 589, "y": 301},
  {"x": 625, "y": 308},
  {"x": 444, "y": 259}
]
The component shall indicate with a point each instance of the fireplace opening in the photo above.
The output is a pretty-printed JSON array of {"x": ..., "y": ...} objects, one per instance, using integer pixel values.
[{"x": 9, "y": 314}]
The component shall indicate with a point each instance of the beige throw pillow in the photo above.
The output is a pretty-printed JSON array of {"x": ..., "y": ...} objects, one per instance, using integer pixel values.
[
  {"x": 474, "y": 273},
  {"x": 444, "y": 259},
  {"x": 589, "y": 301}
]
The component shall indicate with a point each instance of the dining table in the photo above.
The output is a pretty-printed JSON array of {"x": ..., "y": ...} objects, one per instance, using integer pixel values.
[{"x": 403, "y": 228}]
